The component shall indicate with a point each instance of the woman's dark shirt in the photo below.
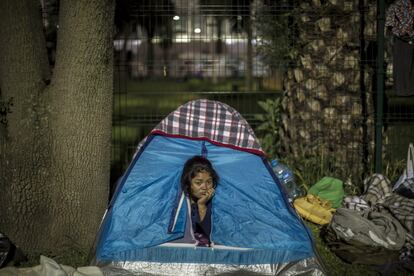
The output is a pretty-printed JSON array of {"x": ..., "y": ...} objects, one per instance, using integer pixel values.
[{"x": 202, "y": 229}]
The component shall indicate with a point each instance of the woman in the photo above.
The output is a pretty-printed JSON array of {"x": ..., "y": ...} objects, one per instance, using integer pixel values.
[{"x": 198, "y": 182}]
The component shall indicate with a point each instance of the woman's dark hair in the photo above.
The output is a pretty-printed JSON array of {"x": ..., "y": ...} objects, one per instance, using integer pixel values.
[{"x": 193, "y": 166}]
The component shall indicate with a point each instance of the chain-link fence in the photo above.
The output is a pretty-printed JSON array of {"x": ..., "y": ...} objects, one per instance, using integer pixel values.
[
  {"x": 171, "y": 52},
  {"x": 319, "y": 57}
]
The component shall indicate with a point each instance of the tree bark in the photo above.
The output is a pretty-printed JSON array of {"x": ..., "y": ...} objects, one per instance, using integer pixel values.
[
  {"x": 56, "y": 154},
  {"x": 325, "y": 110},
  {"x": 24, "y": 142}
]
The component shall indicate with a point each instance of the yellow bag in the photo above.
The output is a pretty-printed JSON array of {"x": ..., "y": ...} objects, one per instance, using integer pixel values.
[{"x": 314, "y": 208}]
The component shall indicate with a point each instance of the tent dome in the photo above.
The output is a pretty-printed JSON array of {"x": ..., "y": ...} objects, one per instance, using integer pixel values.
[{"x": 254, "y": 227}]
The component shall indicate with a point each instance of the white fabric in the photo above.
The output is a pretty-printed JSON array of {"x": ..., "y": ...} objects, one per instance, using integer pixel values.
[
  {"x": 355, "y": 203},
  {"x": 409, "y": 171},
  {"x": 48, "y": 267}
]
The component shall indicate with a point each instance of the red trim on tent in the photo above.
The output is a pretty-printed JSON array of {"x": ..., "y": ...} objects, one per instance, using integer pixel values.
[{"x": 257, "y": 152}]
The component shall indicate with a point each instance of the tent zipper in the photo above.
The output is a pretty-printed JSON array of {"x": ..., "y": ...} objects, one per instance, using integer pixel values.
[
  {"x": 180, "y": 203},
  {"x": 191, "y": 222}
]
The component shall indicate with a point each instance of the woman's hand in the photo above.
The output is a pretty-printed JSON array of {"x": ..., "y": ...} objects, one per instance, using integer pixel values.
[
  {"x": 203, "y": 200},
  {"x": 202, "y": 208}
]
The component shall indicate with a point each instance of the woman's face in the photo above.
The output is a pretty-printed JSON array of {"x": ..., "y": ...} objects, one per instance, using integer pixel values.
[{"x": 200, "y": 184}]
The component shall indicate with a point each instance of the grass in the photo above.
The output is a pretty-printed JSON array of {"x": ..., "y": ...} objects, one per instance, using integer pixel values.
[
  {"x": 156, "y": 105},
  {"x": 187, "y": 85}
]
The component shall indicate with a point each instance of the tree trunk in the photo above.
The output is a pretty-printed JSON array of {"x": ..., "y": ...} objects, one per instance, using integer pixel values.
[
  {"x": 56, "y": 154},
  {"x": 327, "y": 110},
  {"x": 25, "y": 153}
]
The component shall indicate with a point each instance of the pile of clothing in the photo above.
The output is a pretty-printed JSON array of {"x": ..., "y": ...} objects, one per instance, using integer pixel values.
[{"x": 375, "y": 228}]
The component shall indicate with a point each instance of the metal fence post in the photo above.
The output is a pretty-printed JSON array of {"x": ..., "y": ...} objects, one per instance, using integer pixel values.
[{"x": 380, "y": 85}]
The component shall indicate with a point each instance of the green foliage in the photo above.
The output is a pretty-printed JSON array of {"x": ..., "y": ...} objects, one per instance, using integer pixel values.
[
  {"x": 311, "y": 166},
  {"x": 276, "y": 27},
  {"x": 393, "y": 169},
  {"x": 268, "y": 130}
]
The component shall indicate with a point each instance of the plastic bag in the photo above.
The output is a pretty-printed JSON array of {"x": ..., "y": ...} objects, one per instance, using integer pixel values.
[
  {"x": 405, "y": 184},
  {"x": 330, "y": 189},
  {"x": 314, "y": 209}
]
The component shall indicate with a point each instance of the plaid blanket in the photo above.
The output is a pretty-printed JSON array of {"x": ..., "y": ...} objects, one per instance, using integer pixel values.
[
  {"x": 379, "y": 195},
  {"x": 377, "y": 187},
  {"x": 210, "y": 120}
]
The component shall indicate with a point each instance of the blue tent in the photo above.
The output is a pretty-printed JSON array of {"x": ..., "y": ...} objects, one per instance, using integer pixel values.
[{"x": 254, "y": 227}]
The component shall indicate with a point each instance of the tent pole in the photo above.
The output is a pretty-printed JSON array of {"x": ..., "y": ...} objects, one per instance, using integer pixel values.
[{"x": 380, "y": 85}]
